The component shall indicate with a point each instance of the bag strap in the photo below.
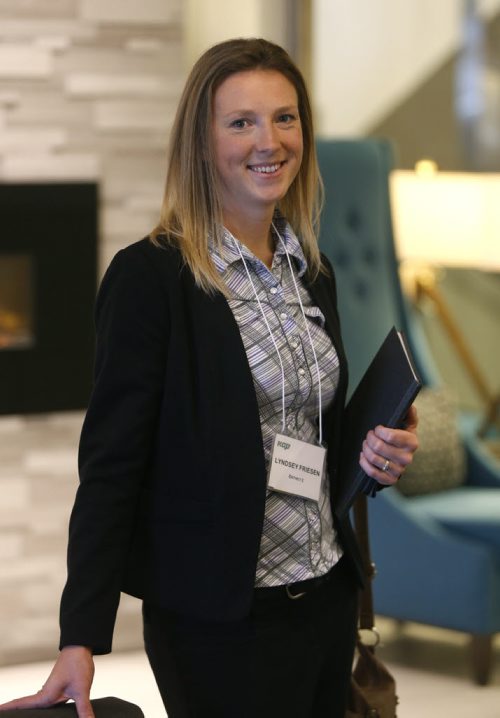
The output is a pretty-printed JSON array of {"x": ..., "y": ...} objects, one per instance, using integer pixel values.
[{"x": 366, "y": 620}]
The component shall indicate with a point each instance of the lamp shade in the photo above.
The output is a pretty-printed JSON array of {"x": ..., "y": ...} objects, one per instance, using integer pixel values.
[{"x": 447, "y": 218}]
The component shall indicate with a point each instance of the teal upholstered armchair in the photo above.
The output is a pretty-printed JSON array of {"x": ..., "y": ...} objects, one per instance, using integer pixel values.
[{"x": 437, "y": 553}]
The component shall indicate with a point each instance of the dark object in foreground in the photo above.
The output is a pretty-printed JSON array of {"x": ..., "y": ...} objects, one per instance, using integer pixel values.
[{"x": 103, "y": 708}]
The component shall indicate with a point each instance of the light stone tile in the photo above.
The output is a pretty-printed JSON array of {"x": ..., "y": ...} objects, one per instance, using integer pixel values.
[
  {"x": 54, "y": 544},
  {"x": 92, "y": 58},
  {"x": 49, "y": 107},
  {"x": 51, "y": 167},
  {"x": 22, "y": 61},
  {"x": 38, "y": 8},
  {"x": 14, "y": 493},
  {"x": 115, "y": 189},
  {"x": 30, "y": 632},
  {"x": 63, "y": 420},
  {"x": 11, "y": 458},
  {"x": 149, "y": 202},
  {"x": 51, "y": 522},
  {"x": 103, "y": 85},
  {"x": 55, "y": 43},
  {"x": 61, "y": 461},
  {"x": 130, "y": 11},
  {"x": 31, "y": 28},
  {"x": 10, "y": 602},
  {"x": 50, "y": 489},
  {"x": 128, "y": 115},
  {"x": 11, "y": 545},
  {"x": 110, "y": 144},
  {"x": 29, "y": 140},
  {"x": 118, "y": 34},
  {"x": 8, "y": 99},
  {"x": 119, "y": 221},
  {"x": 13, "y": 520},
  {"x": 42, "y": 598},
  {"x": 32, "y": 569},
  {"x": 144, "y": 44},
  {"x": 11, "y": 424}
]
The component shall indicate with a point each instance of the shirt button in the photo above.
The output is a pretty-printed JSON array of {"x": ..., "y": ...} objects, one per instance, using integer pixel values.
[
  {"x": 294, "y": 342},
  {"x": 273, "y": 290},
  {"x": 302, "y": 371},
  {"x": 284, "y": 315}
]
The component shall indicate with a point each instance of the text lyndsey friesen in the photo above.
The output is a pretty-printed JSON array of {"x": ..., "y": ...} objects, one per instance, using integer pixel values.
[{"x": 299, "y": 467}]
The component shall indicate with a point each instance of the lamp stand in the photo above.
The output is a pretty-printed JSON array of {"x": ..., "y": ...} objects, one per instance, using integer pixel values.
[{"x": 426, "y": 286}]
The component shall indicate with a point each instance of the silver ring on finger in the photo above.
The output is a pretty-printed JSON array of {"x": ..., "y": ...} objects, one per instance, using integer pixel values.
[{"x": 385, "y": 467}]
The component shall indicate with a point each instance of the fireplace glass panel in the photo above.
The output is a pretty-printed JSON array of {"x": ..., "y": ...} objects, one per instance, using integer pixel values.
[{"x": 16, "y": 302}]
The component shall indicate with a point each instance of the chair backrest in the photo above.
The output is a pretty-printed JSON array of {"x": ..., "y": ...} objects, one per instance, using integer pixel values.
[{"x": 356, "y": 235}]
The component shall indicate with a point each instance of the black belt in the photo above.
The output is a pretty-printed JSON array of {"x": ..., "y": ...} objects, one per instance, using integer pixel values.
[{"x": 296, "y": 590}]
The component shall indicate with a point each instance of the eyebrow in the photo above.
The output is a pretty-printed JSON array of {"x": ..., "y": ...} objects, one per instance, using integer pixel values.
[{"x": 285, "y": 108}]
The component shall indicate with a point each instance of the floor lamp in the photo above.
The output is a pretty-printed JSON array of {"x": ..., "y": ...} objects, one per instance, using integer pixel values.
[{"x": 448, "y": 219}]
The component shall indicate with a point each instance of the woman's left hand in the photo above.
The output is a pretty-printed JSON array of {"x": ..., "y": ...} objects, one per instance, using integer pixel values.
[{"x": 387, "y": 452}]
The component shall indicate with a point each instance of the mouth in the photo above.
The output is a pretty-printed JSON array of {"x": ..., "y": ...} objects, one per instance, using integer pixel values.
[{"x": 269, "y": 168}]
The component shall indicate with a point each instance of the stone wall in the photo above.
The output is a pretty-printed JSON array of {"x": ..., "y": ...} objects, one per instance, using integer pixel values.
[{"x": 88, "y": 89}]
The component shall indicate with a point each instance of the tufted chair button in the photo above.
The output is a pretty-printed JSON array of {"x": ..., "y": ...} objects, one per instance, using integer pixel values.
[
  {"x": 370, "y": 255},
  {"x": 353, "y": 219},
  {"x": 361, "y": 289},
  {"x": 341, "y": 258}
]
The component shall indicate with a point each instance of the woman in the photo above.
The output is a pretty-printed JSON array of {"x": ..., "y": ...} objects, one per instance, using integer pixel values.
[{"x": 218, "y": 351}]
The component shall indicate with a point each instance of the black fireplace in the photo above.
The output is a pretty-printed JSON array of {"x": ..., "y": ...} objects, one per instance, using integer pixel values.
[{"x": 48, "y": 249}]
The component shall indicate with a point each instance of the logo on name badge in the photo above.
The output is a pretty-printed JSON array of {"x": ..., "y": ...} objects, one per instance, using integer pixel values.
[{"x": 283, "y": 445}]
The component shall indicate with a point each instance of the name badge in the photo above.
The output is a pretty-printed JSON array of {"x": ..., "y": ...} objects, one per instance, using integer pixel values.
[{"x": 296, "y": 467}]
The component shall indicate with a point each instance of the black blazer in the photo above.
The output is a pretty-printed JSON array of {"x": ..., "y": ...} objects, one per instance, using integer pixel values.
[{"x": 172, "y": 490}]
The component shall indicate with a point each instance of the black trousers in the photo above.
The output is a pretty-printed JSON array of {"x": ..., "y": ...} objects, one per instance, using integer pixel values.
[{"x": 287, "y": 659}]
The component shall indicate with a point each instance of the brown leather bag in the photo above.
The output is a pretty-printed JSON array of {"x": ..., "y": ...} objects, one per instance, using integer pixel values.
[{"x": 372, "y": 692}]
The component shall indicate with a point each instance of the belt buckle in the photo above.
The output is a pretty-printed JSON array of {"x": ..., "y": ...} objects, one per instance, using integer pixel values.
[{"x": 294, "y": 596}]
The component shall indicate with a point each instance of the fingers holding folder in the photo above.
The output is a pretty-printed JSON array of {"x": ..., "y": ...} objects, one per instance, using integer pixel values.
[{"x": 386, "y": 451}]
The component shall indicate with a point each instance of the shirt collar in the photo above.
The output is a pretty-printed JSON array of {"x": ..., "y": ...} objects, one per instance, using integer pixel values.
[
  {"x": 228, "y": 253},
  {"x": 291, "y": 242}
]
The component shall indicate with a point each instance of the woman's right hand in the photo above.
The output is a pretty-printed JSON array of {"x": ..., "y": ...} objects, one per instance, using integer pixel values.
[{"x": 71, "y": 678}]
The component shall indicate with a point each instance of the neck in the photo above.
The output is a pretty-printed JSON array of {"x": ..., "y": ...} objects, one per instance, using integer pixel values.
[{"x": 254, "y": 234}]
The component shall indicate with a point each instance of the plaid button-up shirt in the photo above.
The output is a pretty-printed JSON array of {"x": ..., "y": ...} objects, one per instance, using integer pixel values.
[{"x": 298, "y": 538}]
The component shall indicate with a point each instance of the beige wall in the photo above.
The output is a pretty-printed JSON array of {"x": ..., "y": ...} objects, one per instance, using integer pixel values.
[
  {"x": 210, "y": 22},
  {"x": 370, "y": 54}
]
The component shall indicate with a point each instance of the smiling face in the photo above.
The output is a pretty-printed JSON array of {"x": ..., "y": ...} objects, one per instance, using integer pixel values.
[{"x": 257, "y": 140}]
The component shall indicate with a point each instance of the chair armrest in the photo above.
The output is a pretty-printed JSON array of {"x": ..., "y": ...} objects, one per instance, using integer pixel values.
[{"x": 428, "y": 574}]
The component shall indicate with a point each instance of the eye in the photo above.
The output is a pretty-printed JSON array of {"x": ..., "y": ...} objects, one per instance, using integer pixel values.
[
  {"x": 240, "y": 124},
  {"x": 287, "y": 118}
]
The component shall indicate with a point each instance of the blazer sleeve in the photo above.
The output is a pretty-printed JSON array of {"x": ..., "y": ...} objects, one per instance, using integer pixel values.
[{"x": 132, "y": 323}]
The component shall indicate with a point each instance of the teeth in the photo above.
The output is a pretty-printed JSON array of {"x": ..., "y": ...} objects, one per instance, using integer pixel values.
[{"x": 266, "y": 169}]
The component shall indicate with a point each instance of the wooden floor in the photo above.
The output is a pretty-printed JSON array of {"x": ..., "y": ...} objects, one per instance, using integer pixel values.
[{"x": 430, "y": 667}]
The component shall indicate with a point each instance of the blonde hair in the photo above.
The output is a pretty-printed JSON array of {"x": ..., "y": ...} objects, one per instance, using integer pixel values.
[{"x": 191, "y": 210}]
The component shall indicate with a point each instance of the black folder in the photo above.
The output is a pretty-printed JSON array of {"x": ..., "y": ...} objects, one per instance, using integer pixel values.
[{"x": 383, "y": 396}]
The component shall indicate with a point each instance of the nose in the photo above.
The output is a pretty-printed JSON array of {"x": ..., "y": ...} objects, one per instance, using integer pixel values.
[{"x": 267, "y": 138}]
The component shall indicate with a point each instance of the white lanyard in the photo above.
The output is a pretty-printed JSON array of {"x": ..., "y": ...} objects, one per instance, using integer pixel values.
[{"x": 320, "y": 418}]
